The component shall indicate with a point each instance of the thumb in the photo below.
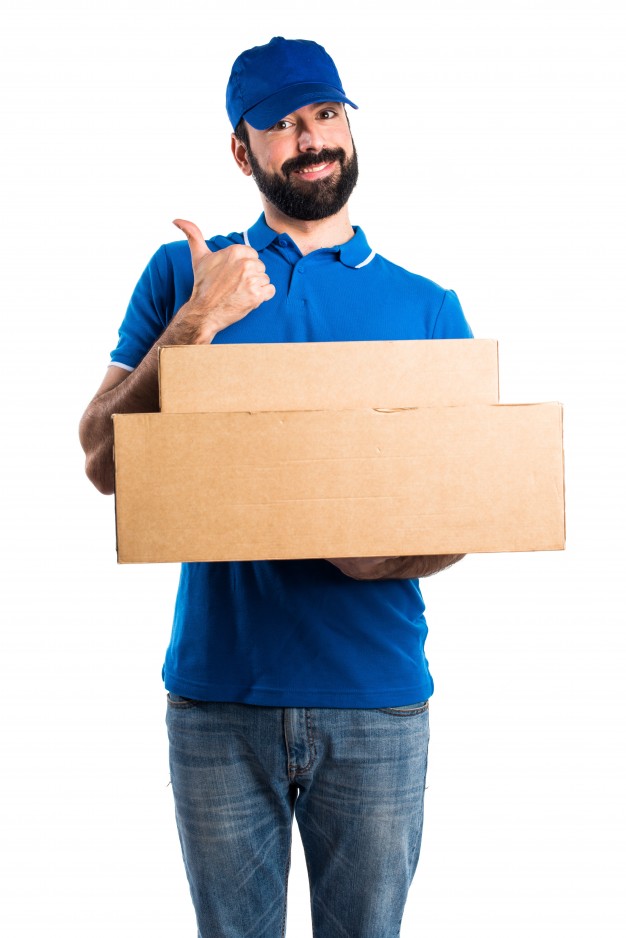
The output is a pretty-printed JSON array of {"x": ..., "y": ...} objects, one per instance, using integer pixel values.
[{"x": 197, "y": 244}]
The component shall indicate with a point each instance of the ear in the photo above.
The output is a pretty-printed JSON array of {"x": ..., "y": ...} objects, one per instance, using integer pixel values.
[{"x": 240, "y": 153}]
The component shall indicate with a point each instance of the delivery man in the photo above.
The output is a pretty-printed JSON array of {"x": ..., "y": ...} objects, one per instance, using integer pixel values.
[{"x": 294, "y": 687}]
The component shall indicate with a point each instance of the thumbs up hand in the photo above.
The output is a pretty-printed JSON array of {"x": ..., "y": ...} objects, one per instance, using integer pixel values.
[{"x": 228, "y": 284}]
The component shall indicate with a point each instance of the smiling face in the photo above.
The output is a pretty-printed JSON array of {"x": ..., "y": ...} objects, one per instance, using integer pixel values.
[{"x": 306, "y": 164}]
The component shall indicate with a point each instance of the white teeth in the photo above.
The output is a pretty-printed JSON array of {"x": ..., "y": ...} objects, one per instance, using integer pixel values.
[{"x": 314, "y": 169}]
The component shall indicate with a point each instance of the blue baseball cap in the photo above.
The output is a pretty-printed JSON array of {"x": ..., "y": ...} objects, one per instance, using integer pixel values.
[{"x": 267, "y": 82}]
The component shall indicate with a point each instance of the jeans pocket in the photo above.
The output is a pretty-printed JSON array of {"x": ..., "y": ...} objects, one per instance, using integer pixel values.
[
  {"x": 180, "y": 703},
  {"x": 409, "y": 710}
]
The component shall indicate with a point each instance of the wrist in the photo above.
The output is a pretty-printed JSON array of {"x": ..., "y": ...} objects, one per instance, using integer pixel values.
[{"x": 194, "y": 325}]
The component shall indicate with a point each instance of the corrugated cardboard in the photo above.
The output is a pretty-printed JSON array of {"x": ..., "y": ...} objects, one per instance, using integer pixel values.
[
  {"x": 339, "y": 483},
  {"x": 328, "y": 375}
]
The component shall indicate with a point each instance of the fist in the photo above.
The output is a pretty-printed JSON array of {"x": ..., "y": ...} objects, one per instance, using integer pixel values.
[{"x": 228, "y": 284}]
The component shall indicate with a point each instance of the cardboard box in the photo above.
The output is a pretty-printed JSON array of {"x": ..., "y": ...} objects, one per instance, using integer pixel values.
[
  {"x": 339, "y": 483},
  {"x": 328, "y": 375}
]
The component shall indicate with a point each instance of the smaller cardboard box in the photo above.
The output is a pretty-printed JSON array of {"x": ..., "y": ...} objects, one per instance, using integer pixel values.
[
  {"x": 328, "y": 375},
  {"x": 338, "y": 483}
]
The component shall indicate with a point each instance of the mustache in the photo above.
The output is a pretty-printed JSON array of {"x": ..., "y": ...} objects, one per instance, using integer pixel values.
[{"x": 310, "y": 159}]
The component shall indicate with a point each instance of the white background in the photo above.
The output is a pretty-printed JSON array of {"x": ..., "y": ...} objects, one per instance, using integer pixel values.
[{"x": 491, "y": 162}]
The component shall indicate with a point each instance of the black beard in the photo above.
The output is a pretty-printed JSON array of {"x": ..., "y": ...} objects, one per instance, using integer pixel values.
[{"x": 308, "y": 201}]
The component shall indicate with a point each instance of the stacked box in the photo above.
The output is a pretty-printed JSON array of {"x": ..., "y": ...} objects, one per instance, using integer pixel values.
[{"x": 272, "y": 452}]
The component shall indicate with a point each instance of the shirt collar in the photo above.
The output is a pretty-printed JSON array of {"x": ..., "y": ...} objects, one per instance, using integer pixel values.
[
  {"x": 353, "y": 253},
  {"x": 260, "y": 234},
  {"x": 356, "y": 252}
]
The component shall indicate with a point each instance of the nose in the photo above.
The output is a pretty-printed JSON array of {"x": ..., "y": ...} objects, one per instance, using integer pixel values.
[{"x": 310, "y": 136}]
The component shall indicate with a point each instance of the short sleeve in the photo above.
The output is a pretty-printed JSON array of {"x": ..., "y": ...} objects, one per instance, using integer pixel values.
[
  {"x": 147, "y": 314},
  {"x": 451, "y": 322}
]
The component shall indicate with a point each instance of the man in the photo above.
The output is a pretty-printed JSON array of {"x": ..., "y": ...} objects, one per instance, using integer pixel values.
[{"x": 295, "y": 687}]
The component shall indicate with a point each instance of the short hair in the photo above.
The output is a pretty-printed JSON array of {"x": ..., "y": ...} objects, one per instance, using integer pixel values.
[{"x": 241, "y": 133}]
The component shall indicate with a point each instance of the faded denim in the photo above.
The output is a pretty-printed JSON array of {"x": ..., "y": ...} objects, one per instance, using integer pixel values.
[{"x": 354, "y": 780}]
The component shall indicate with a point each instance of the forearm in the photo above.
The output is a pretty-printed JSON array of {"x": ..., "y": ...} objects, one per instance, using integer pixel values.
[
  {"x": 228, "y": 284},
  {"x": 137, "y": 393},
  {"x": 394, "y": 568}
]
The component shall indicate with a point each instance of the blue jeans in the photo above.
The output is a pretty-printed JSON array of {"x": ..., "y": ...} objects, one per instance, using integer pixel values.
[{"x": 355, "y": 781}]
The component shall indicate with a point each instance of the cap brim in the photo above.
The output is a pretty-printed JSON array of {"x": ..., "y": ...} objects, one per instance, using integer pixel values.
[{"x": 272, "y": 109}]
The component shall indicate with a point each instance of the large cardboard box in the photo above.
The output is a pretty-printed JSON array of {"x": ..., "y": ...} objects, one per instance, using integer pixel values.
[
  {"x": 336, "y": 450},
  {"x": 310, "y": 483},
  {"x": 327, "y": 375}
]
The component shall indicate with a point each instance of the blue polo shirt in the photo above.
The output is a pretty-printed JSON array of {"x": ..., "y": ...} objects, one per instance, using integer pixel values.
[{"x": 297, "y": 633}]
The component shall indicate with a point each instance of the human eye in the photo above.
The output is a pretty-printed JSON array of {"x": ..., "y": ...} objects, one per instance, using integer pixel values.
[
  {"x": 283, "y": 124},
  {"x": 327, "y": 113}
]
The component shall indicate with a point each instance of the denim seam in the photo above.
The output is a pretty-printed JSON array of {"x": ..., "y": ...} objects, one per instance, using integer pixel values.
[
  {"x": 295, "y": 770},
  {"x": 286, "y": 881},
  {"x": 417, "y": 841}
]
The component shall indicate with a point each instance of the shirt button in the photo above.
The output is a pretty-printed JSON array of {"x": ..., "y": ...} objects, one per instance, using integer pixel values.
[
  {"x": 300, "y": 270},
  {"x": 282, "y": 242}
]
